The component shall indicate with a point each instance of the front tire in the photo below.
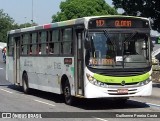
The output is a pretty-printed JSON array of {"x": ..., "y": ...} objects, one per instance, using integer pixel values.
[
  {"x": 67, "y": 93},
  {"x": 25, "y": 83}
]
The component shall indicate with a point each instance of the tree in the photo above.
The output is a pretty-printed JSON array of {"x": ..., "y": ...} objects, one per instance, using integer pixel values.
[
  {"x": 6, "y": 23},
  {"x": 25, "y": 25},
  {"x": 71, "y": 9},
  {"x": 144, "y": 8}
]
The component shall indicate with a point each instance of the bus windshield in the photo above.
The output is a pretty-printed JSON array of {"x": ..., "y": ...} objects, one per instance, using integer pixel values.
[{"x": 118, "y": 50}]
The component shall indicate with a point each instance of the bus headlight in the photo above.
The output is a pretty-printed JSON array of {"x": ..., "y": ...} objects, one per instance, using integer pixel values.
[
  {"x": 89, "y": 77},
  {"x": 95, "y": 82},
  {"x": 144, "y": 82}
]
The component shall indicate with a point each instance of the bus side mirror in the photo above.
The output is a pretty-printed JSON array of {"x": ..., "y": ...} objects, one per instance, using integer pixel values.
[{"x": 87, "y": 44}]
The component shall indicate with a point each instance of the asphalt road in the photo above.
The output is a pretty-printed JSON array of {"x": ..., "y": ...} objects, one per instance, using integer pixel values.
[{"x": 12, "y": 99}]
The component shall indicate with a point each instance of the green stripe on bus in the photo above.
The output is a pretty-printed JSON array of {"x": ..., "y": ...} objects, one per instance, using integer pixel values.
[
  {"x": 54, "y": 25},
  {"x": 130, "y": 79},
  {"x": 72, "y": 71}
]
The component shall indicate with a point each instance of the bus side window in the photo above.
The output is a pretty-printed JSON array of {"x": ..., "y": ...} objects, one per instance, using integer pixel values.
[
  {"x": 30, "y": 50},
  {"x": 22, "y": 48},
  {"x": 44, "y": 39},
  {"x": 40, "y": 34},
  {"x": 25, "y": 44},
  {"x": 51, "y": 48},
  {"x": 48, "y": 38},
  {"x": 54, "y": 46},
  {"x": 34, "y": 43},
  {"x": 30, "y": 44},
  {"x": 67, "y": 40},
  {"x": 10, "y": 46}
]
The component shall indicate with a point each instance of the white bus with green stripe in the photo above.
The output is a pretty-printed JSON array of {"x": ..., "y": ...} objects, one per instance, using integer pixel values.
[{"x": 90, "y": 57}]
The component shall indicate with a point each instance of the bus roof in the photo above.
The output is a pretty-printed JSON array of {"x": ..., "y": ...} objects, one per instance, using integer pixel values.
[{"x": 67, "y": 23}]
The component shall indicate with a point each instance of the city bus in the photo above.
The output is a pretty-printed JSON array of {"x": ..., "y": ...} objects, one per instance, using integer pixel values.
[{"x": 89, "y": 57}]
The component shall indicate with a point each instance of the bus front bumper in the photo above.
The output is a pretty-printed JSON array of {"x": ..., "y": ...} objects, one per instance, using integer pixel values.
[{"x": 92, "y": 91}]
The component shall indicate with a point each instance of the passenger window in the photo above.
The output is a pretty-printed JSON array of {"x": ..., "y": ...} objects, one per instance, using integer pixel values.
[
  {"x": 34, "y": 43},
  {"x": 54, "y": 44},
  {"x": 10, "y": 46},
  {"x": 25, "y": 45},
  {"x": 42, "y": 49},
  {"x": 67, "y": 41}
]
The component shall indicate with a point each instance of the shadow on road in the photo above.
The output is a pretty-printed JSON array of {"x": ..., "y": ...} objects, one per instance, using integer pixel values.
[
  {"x": 85, "y": 104},
  {"x": 41, "y": 94},
  {"x": 5, "y": 85},
  {"x": 107, "y": 104}
]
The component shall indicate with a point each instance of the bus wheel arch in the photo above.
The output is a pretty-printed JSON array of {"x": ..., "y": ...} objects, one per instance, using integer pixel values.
[
  {"x": 66, "y": 90},
  {"x": 25, "y": 84}
]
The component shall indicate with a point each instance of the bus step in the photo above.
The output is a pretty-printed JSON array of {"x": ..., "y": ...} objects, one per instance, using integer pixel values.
[
  {"x": 80, "y": 91},
  {"x": 17, "y": 84},
  {"x": 79, "y": 96}
]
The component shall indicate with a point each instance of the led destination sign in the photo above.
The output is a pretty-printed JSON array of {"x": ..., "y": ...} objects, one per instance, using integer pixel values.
[
  {"x": 123, "y": 23},
  {"x": 118, "y": 23}
]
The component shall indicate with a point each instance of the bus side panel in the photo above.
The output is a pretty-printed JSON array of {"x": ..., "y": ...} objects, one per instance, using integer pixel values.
[
  {"x": 45, "y": 73},
  {"x": 27, "y": 66},
  {"x": 49, "y": 74}
]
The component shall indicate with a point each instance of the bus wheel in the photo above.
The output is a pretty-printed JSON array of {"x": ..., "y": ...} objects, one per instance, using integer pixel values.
[
  {"x": 67, "y": 93},
  {"x": 25, "y": 83}
]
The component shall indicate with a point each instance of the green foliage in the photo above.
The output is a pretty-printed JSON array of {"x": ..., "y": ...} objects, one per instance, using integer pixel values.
[
  {"x": 16, "y": 26},
  {"x": 144, "y": 8},
  {"x": 71, "y": 9},
  {"x": 5, "y": 25}
]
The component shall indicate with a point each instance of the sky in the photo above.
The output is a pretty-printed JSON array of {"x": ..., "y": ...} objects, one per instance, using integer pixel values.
[{"x": 21, "y": 10}]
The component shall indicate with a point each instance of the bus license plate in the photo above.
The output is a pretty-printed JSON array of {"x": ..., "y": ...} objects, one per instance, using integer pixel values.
[{"x": 122, "y": 91}]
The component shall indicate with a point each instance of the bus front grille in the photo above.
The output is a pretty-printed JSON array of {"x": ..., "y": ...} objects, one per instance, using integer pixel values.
[{"x": 116, "y": 92}]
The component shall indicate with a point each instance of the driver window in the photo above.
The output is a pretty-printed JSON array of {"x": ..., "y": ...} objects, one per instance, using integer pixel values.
[
  {"x": 99, "y": 45},
  {"x": 102, "y": 47}
]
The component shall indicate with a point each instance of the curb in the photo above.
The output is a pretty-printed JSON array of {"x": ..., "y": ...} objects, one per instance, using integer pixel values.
[{"x": 156, "y": 85}]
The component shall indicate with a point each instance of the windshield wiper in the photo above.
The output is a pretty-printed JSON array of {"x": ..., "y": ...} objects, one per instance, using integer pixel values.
[
  {"x": 107, "y": 35},
  {"x": 130, "y": 37}
]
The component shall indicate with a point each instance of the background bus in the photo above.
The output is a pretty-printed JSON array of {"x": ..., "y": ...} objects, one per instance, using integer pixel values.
[{"x": 90, "y": 57}]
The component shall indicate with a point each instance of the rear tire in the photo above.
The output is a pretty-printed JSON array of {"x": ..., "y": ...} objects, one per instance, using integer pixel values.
[
  {"x": 67, "y": 93},
  {"x": 25, "y": 83}
]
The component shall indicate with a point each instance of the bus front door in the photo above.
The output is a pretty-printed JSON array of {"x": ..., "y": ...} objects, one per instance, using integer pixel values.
[
  {"x": 79, "y": 63},
  {"x": 16, "y": 60}
]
